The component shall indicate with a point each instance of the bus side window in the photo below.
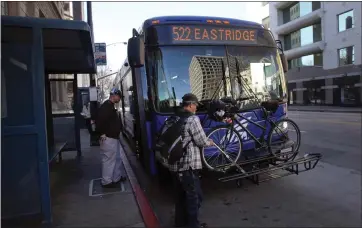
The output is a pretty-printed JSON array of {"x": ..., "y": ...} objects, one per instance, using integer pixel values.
[
  {"x": 144, "y": 89},
  {"x": 131, "y": 99}
]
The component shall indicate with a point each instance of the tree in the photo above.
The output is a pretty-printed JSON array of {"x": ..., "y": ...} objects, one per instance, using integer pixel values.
[{"x": 104, "y": 82}]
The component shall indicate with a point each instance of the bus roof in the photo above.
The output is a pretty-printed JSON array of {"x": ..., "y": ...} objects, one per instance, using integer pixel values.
[{"x": 200, "y": 20}]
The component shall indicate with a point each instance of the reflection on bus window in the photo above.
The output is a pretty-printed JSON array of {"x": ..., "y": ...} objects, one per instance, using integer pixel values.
[{"x": 248, "y": 73}]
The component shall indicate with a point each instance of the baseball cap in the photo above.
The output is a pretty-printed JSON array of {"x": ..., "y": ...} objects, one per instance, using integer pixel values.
[
  {"x": 115, "y": 91},
  {"x": 190, "y": 98}
]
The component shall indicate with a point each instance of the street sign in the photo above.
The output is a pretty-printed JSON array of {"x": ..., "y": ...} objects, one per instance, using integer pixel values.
[{"x": 100, "y": 54}]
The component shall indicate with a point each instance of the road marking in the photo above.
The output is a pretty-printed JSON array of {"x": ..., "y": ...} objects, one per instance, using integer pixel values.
[
  {"x": 299, "y": 130},
  {"x": 356, "y": 123},
  {"x": 340, "y": 122}
]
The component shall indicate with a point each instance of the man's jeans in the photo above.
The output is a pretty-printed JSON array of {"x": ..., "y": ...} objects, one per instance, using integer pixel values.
[{"x": 188, "y": 198}]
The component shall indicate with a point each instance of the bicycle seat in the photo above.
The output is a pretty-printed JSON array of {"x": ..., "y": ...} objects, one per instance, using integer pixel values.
[{"x": 270, "y": 105}]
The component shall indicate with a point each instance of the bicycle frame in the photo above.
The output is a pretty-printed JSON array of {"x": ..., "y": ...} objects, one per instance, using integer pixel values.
[{"x": 267, "y": 120}]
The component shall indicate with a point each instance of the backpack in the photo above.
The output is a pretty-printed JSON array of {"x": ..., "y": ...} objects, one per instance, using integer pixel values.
[{"x": 169, "y": 142}]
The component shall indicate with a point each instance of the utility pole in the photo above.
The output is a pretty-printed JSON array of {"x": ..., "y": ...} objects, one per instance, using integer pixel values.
[{"x": 92, "y": 82}]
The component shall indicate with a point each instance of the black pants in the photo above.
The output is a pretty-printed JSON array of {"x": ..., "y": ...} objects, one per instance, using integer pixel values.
[
  {"x": 88, "y": 125},
  {"x": 188, "y": 198}
]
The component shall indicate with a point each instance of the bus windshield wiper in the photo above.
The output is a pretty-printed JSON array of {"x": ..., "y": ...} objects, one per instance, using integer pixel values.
[
  {"x": 250, "y": 92},
  {"x": 221, "y": 82}
]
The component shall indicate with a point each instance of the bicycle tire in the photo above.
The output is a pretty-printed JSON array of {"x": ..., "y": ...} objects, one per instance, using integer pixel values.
[
  {"x": 296, "y": 149},
  {"x": 225, "y": 167}
]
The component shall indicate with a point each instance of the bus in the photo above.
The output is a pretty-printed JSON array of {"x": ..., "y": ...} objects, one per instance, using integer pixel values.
[{"x": 211, "y": 57}]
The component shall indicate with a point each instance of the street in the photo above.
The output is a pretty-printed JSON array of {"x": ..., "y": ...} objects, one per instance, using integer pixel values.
[
  {"x": 328, "y": 196},
  {"x": 337, "y": 136}
]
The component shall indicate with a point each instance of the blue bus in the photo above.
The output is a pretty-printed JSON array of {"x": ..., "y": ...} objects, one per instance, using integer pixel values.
[{"x": 212, "y": 57}]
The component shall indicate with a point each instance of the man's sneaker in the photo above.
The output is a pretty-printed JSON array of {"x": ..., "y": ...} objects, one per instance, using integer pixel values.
[
  {"x": 120, "y": 180},
  {"x": 203, "y": 225},
  {"x": 110, "y": 185}
]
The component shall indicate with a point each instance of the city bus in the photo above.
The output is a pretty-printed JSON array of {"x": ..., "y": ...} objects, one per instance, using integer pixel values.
[{"x": 211, "y": 57}]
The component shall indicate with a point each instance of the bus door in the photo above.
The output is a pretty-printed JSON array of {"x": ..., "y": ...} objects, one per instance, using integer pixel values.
[{"x": 128, "y": 102}]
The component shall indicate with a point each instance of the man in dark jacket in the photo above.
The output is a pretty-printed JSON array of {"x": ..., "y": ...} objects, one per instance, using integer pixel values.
[{"x": 109, "y": 127}]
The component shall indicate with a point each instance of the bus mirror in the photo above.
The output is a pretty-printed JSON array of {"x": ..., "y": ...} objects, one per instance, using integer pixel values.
[
  {"x": 136, "y": 52},
  {"x": 126, "y": 64},
  {"x": 284, "y": 62}
]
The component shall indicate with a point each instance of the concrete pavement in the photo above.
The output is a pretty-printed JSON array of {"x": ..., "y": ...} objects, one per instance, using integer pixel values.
[
  {"x": 328, "y": 196},
  {"x": 79, "y": 201}
]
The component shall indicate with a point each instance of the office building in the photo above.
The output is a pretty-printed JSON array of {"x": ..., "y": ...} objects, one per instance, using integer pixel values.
[
  {"x": 206, "y": 73},
  {"x": 322, "y": 43}
]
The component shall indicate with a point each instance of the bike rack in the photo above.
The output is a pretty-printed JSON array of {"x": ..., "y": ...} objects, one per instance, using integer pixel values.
[{"x": 293, "y": 166}]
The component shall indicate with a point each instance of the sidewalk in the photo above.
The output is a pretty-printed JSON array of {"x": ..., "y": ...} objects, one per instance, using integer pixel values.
[
  {"x": 324, "y": 109},
  {"x": 78, "y": 200}
]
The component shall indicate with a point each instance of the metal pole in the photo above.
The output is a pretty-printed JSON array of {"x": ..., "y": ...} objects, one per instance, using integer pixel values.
[
  {"x": 90, "y": 22},
  {"x": 92, "y": 81}
]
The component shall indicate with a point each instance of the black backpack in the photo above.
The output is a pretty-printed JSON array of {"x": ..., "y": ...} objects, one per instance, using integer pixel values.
[{"x": 169, "y": 142}]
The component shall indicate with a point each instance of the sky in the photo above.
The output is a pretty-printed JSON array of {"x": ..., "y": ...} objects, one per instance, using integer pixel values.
[{"x": 113, "y": 21}]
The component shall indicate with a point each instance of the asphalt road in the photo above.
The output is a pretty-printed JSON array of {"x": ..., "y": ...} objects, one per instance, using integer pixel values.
[
  {"x": 337, "y": 136},
  {"x": 328, "y": 196}
]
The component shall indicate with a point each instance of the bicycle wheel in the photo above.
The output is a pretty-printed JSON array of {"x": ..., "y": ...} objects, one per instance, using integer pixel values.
[
  {"x": 228, "y": 140},
  {"x": 281, "y": 142}
]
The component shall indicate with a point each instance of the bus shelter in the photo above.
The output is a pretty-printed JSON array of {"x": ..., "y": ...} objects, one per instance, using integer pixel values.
[{"x": 33, "y": 50}]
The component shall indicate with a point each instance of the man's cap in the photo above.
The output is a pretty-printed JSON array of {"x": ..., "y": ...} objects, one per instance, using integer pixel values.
[
  {"x": 190, "y": 98},
  {"x": 115, "y": 91}
]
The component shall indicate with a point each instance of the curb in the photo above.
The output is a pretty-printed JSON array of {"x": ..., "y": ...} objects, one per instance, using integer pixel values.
[
  {"x": 149, "y": 217},
  {"x": 326, "y": 110}
]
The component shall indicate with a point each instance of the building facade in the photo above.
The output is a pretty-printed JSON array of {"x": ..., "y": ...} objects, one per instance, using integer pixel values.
[
  {"x": 33, "y": 9},
  {"x": 322, "y": 43}
]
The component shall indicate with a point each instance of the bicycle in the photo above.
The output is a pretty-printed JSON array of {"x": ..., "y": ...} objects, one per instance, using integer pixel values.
[{"x": 230, "y": 144}]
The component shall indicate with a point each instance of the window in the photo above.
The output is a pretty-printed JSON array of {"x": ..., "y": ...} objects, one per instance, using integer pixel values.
[
  {"x": 41, "y": 14},
  {"x": 345, "y": 21},
  {"x": 299, "y": 9},
  {"x": 304, "y": 36},
  {"x": 4, "y": 8},
  {"x": 208, "y": 72},
  {"x": 346, "y": 56},
  {"x": 16, "y": 66},
  {"x": 66, "y": 6},
  {"x": 308, "y": 60}
]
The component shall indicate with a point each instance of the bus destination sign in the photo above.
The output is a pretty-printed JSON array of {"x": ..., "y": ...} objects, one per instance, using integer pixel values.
[{"x": 208, "y": 34}]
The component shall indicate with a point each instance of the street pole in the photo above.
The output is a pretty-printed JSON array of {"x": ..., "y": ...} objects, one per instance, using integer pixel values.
[
  {"x": 92, "y": 81},
  {"x": 90, "y": 22}
]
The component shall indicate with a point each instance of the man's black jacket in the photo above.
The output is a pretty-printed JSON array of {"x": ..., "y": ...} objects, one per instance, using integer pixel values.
[{"x": 108, "y": 121}]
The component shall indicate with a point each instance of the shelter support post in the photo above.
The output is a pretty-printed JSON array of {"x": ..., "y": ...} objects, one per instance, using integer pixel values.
[
  {"x": 77, "y": 117},
  {"x": 39, "y": 94}
]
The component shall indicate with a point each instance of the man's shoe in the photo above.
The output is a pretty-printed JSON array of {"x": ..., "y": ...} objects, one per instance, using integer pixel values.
[
  {"x": 203, "y": 225},
  {"x": 110, "y": 185},
  {"x": 120, "y": 180}
]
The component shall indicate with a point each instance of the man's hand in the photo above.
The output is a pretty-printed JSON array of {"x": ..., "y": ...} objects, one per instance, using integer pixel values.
[
  {"x": 228, "y": 120},
  {"x": 211, "y": 142},
  {"x": 103, "y": 138}
]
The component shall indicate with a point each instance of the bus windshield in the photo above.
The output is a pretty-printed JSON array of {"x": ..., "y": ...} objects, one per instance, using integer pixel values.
[{"x": 250, "y": 74}]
